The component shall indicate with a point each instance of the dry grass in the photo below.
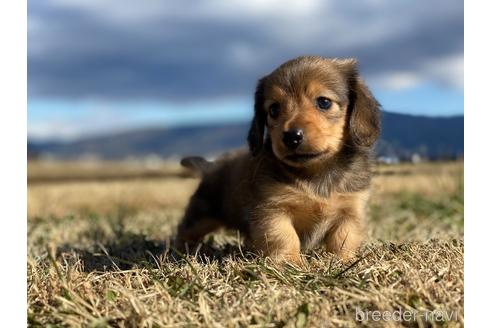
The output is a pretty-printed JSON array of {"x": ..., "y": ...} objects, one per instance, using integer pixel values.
[{"x": 98, "y": 256}]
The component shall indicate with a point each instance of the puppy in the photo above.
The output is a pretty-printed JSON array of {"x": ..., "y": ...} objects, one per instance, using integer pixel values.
[{"x": 305, "y": 180}]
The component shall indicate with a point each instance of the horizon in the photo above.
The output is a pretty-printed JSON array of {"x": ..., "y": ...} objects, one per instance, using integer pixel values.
[{"x": 155, "y": 126}]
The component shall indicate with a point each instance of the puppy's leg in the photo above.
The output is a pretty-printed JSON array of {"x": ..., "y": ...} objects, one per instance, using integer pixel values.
[
  {"x": 276, "y": 237},
  {"x": 196, "y": 223},
  {"x": 345, "y": 237},
  {"x": 191, "y": 231}
]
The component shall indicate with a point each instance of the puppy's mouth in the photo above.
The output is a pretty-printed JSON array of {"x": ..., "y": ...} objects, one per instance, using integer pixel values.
[{"x": 306, "y": 157}]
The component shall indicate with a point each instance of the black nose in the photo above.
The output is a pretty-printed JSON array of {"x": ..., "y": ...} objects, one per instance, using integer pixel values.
[{"x": 293, "y": 138}]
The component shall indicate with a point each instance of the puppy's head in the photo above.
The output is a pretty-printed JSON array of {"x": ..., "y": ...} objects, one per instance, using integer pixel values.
[{"x": 311, "y": 107}]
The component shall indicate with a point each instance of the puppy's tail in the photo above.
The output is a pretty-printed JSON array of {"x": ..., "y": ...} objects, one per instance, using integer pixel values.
[{"x": 197, "y": 164}]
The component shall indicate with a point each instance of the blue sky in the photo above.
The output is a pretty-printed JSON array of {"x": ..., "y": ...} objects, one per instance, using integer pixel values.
[{"x": 94, "y": 70}]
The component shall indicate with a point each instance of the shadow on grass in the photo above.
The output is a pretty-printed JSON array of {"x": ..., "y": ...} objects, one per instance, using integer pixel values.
[
  {"x": 129, "y": 250},
  {"x": 121, "y": 249}
]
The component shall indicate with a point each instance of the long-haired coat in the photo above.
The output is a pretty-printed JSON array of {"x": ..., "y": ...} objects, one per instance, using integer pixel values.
[{"x": 305, "y": 180}]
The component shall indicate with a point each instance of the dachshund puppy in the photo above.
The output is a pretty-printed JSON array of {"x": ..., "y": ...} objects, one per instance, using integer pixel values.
[{"x": 306, "y": 178}]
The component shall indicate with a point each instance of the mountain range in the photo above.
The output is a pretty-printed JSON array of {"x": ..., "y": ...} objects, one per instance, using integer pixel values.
[{"x": 402, "y": 136}]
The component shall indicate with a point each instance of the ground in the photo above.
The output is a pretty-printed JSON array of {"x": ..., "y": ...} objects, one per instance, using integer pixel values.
[{"x": 98, "y": 255}]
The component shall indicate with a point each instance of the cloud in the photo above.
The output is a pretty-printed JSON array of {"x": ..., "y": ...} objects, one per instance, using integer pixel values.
[
  {"x": 185, "y": 50},
  {"x": 445, "y": 71}
]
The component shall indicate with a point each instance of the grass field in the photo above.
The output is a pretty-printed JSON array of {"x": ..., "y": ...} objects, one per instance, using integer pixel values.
[{"x": 98, "y": 256}]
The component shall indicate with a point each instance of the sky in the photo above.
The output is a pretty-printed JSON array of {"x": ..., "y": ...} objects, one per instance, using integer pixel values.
[{"x": 99, "y": 66}]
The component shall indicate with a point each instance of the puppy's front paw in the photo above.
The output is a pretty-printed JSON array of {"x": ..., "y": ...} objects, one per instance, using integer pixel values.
[
  {"x": 347, "y": 256},
  {"x": 294, "y": 259}
]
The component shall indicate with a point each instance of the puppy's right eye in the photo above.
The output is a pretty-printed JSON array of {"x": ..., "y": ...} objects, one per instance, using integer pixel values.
[
  {"x": 323, "y": 103},
  {"x": 274, "y": 110}
]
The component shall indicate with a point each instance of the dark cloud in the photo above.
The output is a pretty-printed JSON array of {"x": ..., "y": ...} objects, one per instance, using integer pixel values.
[{"x": 185, "y": 51}]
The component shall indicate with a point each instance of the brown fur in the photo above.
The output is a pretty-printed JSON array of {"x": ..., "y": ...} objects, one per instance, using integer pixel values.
[{"x": 283, "y": 204}]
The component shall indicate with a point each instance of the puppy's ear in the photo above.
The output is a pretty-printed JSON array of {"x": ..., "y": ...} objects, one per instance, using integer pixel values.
[
  {"x": 256, "y": 133},
  {"x": 364, "y": 111}
]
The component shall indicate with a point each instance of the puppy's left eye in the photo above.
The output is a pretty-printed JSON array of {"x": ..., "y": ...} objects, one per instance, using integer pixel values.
[
  {"x": 323, "y": 103},
  {"x": 274, "y": 110}
]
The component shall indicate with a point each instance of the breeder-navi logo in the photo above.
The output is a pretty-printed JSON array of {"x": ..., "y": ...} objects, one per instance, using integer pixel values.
[{"x": 405, "y": 315}]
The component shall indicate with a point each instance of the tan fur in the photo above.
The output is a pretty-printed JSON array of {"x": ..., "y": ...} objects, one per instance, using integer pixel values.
[{"x": 281, "y": 203}]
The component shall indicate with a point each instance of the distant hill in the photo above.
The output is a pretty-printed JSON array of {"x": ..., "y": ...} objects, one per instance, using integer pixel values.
[
  {"x": 403, "y": 135},
  {"x": 431, "y": 137}
]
